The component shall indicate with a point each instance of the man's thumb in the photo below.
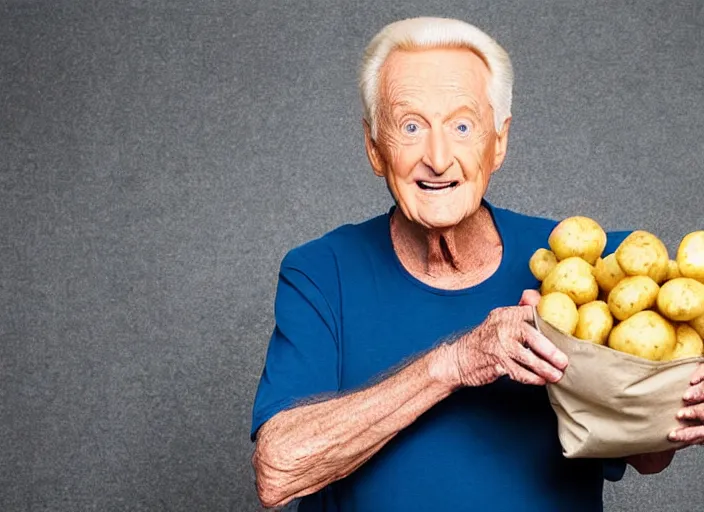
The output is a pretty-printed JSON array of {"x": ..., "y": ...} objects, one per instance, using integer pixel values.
[{"x": 530, "y": 298}]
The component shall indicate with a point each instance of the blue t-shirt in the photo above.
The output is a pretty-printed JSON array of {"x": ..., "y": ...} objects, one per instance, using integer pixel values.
[{"x": 347, "y": 312}]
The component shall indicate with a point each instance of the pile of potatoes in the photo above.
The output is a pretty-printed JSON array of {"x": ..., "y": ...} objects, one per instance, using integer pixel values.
[{"x": 636, "y": 300}]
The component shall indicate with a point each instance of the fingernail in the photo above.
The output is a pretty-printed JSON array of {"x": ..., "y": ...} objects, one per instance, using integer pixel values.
[
  {"x": 556, "y": 376},
  {"x": 682, "y": 413},
  {"x": 688, "y": 395},
  {"x": 672, "y": 436},
  {"x": 561, "y": 359}
]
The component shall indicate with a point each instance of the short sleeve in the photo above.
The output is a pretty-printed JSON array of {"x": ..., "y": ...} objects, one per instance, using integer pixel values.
[
  {"x": 302, "y": 356},
  {"x": 614, "y": 469}
]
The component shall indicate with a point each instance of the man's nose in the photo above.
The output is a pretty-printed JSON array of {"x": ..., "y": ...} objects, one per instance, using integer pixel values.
[{"x": 438, "y": 155}]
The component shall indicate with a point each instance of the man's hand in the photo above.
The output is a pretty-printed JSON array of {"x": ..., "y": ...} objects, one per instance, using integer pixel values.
[
  {"x": 530, "y": 298},
  {"x": 693, "y": 412},
  {"x": 507, "y": 343},
  {"x": 651, "y": 463}
]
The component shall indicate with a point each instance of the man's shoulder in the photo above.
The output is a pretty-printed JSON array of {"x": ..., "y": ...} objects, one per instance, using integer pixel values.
[{"x": 325, "y": 250}]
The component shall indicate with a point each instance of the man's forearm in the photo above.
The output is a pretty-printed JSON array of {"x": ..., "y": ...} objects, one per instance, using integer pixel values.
[{"x": 301, "y": 450}]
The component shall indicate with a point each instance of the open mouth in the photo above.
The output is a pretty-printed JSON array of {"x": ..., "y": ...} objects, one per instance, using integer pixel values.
[{"x": 436, "y": 186}]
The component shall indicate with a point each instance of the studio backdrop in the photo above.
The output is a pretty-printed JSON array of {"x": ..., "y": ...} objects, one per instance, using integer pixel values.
[{"x": 158, "y": 159}]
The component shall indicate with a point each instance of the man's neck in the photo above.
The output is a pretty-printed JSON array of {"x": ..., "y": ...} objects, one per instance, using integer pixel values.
[{"x": 453, "y": 258}]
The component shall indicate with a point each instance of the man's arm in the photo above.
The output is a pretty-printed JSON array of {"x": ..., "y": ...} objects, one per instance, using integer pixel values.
[
  {"x": 651, "y": 463},
  {"x": 301, "y": 450}
]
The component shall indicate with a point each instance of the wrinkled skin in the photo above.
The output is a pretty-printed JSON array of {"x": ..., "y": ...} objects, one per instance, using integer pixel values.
[
  {"x": 693, "y": 411},
  {"x": 437, "y": 147},
  {"x": 436, "y": 125},
  {"x": 506, "y": 344}
]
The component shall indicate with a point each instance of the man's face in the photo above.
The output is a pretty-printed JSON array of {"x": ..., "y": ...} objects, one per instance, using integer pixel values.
[{"x": 437, "y": 144}]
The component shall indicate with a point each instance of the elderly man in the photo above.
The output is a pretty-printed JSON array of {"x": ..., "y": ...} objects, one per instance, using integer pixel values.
[{"x": 404, "y": 373}]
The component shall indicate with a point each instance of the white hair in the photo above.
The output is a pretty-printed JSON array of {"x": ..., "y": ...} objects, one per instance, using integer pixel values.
[{"x": 429, "y": 33}]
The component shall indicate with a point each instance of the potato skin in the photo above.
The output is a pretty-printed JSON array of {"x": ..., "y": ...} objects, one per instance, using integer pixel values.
[
  {"x": 681, "y": 299},
  {"x": 541, "y": 263},
  {"x": 690, "y": 255},
  {"x": 673, "y": 270},
  {"x": 643, "y": 254},
  {"x": 573, "y": 277},
  {"x": 645, "y": 334},
  {"x": 698, "y": 325},
  {"x": 689, "y": 344},
  {"x": 559, "y": 310},
  {"x": 594, "y": 323},
  {"x": 608, "y": 273},
  {"x": 636, "y": 300},
  {"x": 578, "y": 236},
  {"x": 631, "y": 295}
]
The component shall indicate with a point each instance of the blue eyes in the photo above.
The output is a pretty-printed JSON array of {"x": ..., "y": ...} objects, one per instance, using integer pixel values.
[{"x": 413, "y": 128}]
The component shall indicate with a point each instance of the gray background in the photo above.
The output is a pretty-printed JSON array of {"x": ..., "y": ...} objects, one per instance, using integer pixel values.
[{"x": 157, "y": 159}]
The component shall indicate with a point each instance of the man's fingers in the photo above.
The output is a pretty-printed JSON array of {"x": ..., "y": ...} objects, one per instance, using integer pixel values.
[
  {"x": 698, "y": 375},
  {"x": 688, "y": 435},
  {"x": 693, "y": 412},
  {"x": 544, "y": 347},
  {"x": 530, "y": 298},
  {"x": 525, "y": 313},
  {"x": 695, "y": 394},
  {"x": 538, "y": 366},
  {"x": 520, "y": 374}
]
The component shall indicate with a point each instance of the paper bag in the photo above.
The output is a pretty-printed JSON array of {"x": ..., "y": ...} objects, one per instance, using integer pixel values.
[{"x": 610, "y": 404}]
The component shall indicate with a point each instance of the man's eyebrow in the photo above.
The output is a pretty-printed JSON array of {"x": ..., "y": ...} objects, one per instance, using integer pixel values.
[
  {"x": 470, "y": 107},
  {"x": 400, "y": 104}
]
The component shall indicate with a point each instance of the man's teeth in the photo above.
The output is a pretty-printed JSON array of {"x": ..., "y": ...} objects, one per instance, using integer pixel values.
[{"x": 425, "y": 185}]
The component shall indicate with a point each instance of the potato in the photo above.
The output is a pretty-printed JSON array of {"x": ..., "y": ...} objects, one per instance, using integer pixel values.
[
  {"x": 574, "y": 277},
  {"x": 631, "y": 295},
  {"x": 673, "y": 270},
  {"x": 557, "y": 309},
  {"x": 689, "y": 344},
  {"x": 578, "y": 236},
  {"x": 690, "y": 255},
  {"x": 594, "y": 323},
  {"x": 645, "y": 334},
  {"x": 643, "y": 254},
  {"x": 698, "y": 325},
  {"x": 681, "y": 299},
  {"x": 541, "y": 263},
  {"x": 607, "y": 272}
]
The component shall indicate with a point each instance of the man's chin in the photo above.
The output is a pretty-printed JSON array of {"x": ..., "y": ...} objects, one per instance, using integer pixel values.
[{"x": 439, "y": 222}]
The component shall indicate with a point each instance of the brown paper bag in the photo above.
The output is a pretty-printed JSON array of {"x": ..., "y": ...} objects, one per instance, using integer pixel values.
[{"x": 610, "y": 404}]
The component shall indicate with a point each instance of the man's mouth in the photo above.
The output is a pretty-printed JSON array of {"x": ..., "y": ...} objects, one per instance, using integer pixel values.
[{"x": 436, "y": 185}]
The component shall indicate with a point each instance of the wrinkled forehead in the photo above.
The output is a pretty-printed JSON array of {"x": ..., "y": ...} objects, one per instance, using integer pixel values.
[{"x": 434, "y": 77}]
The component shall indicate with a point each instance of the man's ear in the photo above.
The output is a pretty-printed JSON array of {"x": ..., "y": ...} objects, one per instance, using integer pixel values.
[
  {"x": 501, "y": 145},
  {"x": 373, "y": 154}
]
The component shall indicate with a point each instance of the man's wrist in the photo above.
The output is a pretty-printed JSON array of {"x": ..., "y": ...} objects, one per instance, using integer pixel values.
[{"x": 443, "y": 368}]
